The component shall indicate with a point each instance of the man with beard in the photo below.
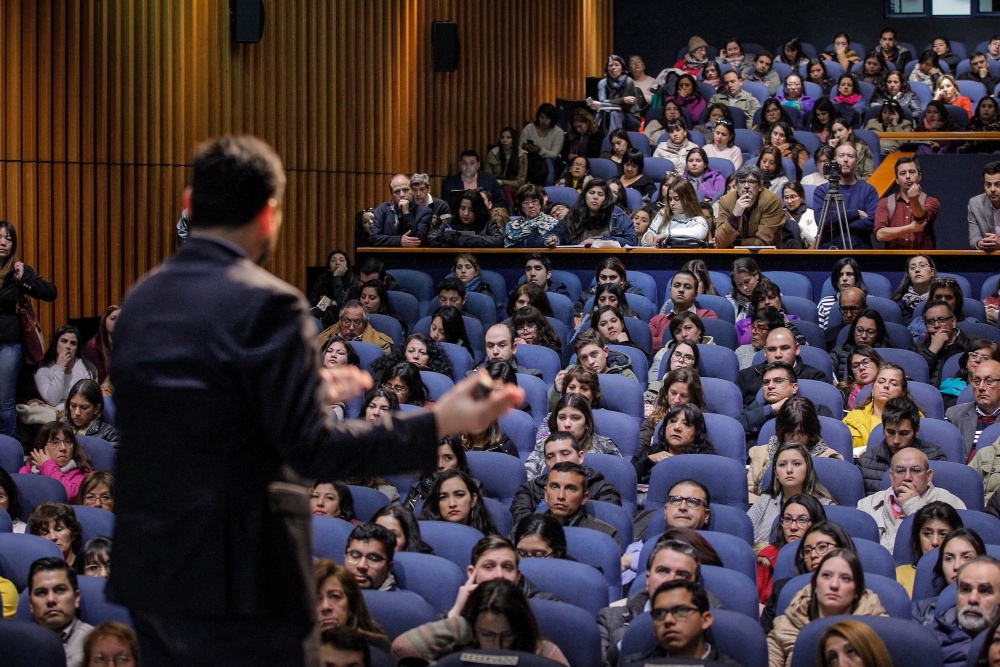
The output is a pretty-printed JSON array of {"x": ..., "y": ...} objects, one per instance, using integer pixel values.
[{"x": 977, "y": 591}]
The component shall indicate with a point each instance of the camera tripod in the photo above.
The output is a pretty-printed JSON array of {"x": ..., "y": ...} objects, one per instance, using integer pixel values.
[{"x": 834, "y": 196}]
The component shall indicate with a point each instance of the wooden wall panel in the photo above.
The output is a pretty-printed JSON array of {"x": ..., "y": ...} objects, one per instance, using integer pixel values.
[{"x": 103, "y": 102}]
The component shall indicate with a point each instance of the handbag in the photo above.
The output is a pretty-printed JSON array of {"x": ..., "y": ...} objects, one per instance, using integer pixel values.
[{"x": 32, "y": 341}]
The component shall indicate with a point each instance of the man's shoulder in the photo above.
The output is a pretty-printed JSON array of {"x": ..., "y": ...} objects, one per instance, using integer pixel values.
[
  {"x": 960, "y": 411},
  {"x": 979, "y": 200},
  {"x": 873, "y": 502}
]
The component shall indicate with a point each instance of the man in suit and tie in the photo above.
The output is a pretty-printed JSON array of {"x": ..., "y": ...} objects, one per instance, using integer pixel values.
[
  {"x": 984, "y": 212},
  {"x": 221, "y": 407}
]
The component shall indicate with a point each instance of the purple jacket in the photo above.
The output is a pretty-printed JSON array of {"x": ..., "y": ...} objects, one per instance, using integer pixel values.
[{"x": 709, "y": 185}]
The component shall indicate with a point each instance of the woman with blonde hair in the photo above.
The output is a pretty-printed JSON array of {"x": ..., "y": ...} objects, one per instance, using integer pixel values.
[{"x": 681, "y": 217}]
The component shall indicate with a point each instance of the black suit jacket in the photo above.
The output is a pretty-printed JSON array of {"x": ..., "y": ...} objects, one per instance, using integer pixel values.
[
  {"x": 218, "y": 395},
  {"x": 452, "y": 189}
]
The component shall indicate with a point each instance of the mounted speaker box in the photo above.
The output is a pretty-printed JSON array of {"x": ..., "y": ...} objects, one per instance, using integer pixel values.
[
  {"x": 444, "y": 42},
  {"x": 246, "y": 20}
]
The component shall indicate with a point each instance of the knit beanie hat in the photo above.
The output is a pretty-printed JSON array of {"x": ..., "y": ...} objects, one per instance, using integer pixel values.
[{"x": 696, "y": 43}]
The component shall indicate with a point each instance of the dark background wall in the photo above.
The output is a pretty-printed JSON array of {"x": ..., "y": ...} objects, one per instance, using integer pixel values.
[{"x": 657, "y": 30}]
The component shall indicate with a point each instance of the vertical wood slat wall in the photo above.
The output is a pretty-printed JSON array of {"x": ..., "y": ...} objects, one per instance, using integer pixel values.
[{"x": 103, "y": 102}]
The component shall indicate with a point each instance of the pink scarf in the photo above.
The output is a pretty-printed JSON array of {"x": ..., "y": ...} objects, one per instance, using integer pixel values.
[{"x": 850, "y": 99}]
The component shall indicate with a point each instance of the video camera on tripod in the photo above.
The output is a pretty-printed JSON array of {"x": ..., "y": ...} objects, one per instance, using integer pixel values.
[{"x": 831, "y": 172}]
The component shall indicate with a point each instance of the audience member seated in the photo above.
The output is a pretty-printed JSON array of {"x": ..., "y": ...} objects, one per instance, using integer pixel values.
[
  {"x": 401, "y": 221},
  {"x": 798, "y": 513},
  {"x": 890, "y": 119},
  {"x": 780, "y": 345},
  {"x": 440, "y": 211},
  {"x": 532, "y": 328},
  {"x": 958, "y": 548},
  {"x": 984, "y": 119},
  {"x": 976, "y": 607},
  {"x": 85, "y": 412},
  {"x": 98, "y": 349},
  {"x": 469, "y": 177},
  {"x": 494, "y": 615},
  {"x": 619, "y": 102},
  {"x": 97, "y": 490},
  {"x": 688, "y": 506},
  {"x": 10, "y": 502},
  {"x": 915, "y": 286},
  {"x": 338, "y": 352},
  {"x": 58, "y": 455},
  {"x": 696, "y": 58},
  {"x": 816, "y": 73},
  {"x": 984, "y": 212},
  {"x": 335, "y": 287},
  {"x": 708, "y": 183},
  {"x": 910, "y": 489},
  {"x": 822, "y": 156},
  {"x": 680, "y": 223},
  {"x": 683, "y": 295},
  {"x": 404, "y": 528},
  {"x": 332, "y": 499},
  {"x": 932, "y": 524},
  {"x": 902, "y": 219},
  {"x": 874, "y": 70},
  {"x": 847, "y": 640},
  {"x": 472, "y": 225},
  {"x": 868, "y": 328},
  {"x": 891, "y": 51},
  {"x": 901, "y": 425},
  {"x": 860, "y": 202},
  {"x": 677, "y": 147},
  {"x": 450, "y": 456},
  {"x": 850, "y": 104},
  {"x": 566, "y": 494},
  {"x": 842, "y": 52},
  {"x": 583, "y": 137},
  {"x": 538, "y": 271},
  {"x": 797, "y": 421},
  {"x": 110, "y": 643},
  {"x": 793, "y": 473},
  {"x": 403, "y": 379},
  {"x": 743, "y": 276},
  {"x": 942, "y": 340},
  {"x": 593, "y": 354},
  {"x": 732, "y": 94},
  {"x": 610, "y": 323},
  {"x": 447, "y": 326},
  {"x": 894, "y": 87},
  {"x": 541, "y": 140},
  {"x": 687, "y": 95},
  {"x": 60, "y": 369},
  {"x": 767, "y": 294},
  {"x": 95, "y": 558},
  {"x": 979, "y": 72},
  {"x": 761, "y": 72},
  {"x": 686, "y": 332},
  {"x": 368, "y": 557},
  {"x": 54, "y": 598},
  {"x": 751, "y": 215},
  {"x": 769, "y": 163},
  {"x": 721, "y": 138},
  {"x": 421, "y": 351},
  {"x": 57, "y": 523},
  {"x": 942, "y": 47},
  {"x": 993, "y": 48},
  {"x": 620, "y": 144},
  {"x": 501, "y": 346},
  {"x": 683, "y": 431},
  {"x": 937, "y": 119},
  {"x": 846, "y": 273},
  {"x": 762, "y": 321},
  {"x": 455, "y": 497},
  {"x": 837, "y": 587},
  {"x": 528, "y": 294},
  {"x": 946, "y": 90},
  {"x": 979, "y": 350},
  {"x": 972, "y": 418},
  {"x": 819, "y": 538},
  {"x": 798, "y": 213},
  {"x": 593, "y": 218},
  {"x": 642, "y": 219},
  {"x": 927, "y": 70},
  {"x": 466, "y": 268},
  {"x": 681, "y": 616},
  {"x": 530, "y": 201},
  {"x": 507, "y": 162},
  {"x": 540, "y": 536},
  {"x": 354, "y": 326},
  {"x": 680, "y": 385},
  {"x": 572, "y": 414},
  {"x": 890, "y": 382},
  {"x": 634, "y": 177}
]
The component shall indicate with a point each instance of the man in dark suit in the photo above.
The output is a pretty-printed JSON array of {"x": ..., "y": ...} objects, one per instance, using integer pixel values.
[
  {"x": 221, "y": 406},
  {"x": 401, "y": 221},
  {"x": 972, "y": 418},
  {"x": 469, "y": 178},
  {"x": 780, "y": 345}
]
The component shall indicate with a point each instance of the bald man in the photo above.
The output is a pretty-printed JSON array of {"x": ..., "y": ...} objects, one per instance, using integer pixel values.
[
  {"x": 779, "y": 345},
  {"x": 850, "y": 302},
  {"x": 401, "y": 221}
]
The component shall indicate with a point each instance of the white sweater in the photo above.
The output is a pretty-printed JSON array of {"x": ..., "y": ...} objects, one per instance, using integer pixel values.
[{"x": 54, "y": 384}]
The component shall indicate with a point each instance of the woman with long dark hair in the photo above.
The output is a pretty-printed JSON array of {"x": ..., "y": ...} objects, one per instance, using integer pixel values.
[
  {"x": 455, "y": 497},
  {"x": 98, "y": 349},
  {"x": 447, "y": 326},
  {"x": 507, "y": 162},
  {"x": 915, "y": 286},
  {"x": 682, "y": 431},
  {"x": 400, "y": 522},
  {"x": 330, "y": 291},
  {"x": 450, "y": 456},
  {"x": 932, "y": 524},
  {"x": 403, "y": 379},
  {"x": 618, "y": 98},
  {"x": 868, "y": 329},
  {"x": 471, "y": 226},
  {"x": 583, "y": 136},
  {"x": 793, "y": 473},
  {"x": 62, "y": 367},
  {"x": 85, "y": 412},
  {"x": 594, "y": 217},
  {"x": 532, "y": 328}
]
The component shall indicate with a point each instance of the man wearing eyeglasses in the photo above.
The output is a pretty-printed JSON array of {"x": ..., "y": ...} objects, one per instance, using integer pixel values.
[
  {"x": 972, "y": 418},
  {"x": 910, "y": 488},
  {"x": 368, "y": 557},
  {"x": 681, "y": 617},
  {"x": 901, "y": 426},
  {"x": 851, "y": 301},
  {"x": 354, "y": 327},
  {"x": 779, "y": 384},
  {"x": 942, "y": 340},
  {"x": 751, "y": 215}
]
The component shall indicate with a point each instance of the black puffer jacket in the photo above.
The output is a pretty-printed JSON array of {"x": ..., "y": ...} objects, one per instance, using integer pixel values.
[{"x": 875, "y": 461}]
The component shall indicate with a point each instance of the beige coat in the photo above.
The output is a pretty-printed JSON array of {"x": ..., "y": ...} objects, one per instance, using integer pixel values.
[
  {"x": 760, "y": 460},
  {"x": 781, "y": 640},
  {"x": 987, "y": 463}
]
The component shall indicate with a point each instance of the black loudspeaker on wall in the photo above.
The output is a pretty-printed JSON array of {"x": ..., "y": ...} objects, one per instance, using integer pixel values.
[
  {"x": 444, "y": 42},
  {"x": 246, "y": 20}
]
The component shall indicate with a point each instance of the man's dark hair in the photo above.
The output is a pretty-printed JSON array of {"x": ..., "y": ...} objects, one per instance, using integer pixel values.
[
  {"x": 588, "y": 337},
  {"x": 698, "y": 595},
  {"x": 503, "y": 371},
  {"x": 51, "y": 564},
  {"x": 906, "y": 160},
  {"x": 491, "y": 543},
  {"x": 771, "y": 316},
  {"x": 977, "y": 54},
  {"x": 232, "y": 180},
  {"x": 767, "y": 53},
  {"x": 885, "y": 30},
  {"x": 992, "y": 168},
  {"x": 372, "y": 531},
  {"x": 546, "y": 262},
  {"x": 569, "y": 466},
  {"x": 899, "y": 409},
  {"x": 780, "y": 366},
  {"x": 451, "y": 285},
  {"x": 468, "y": 152},
  {"x": 347, "y": 639},
  {"x": 685, "y": 272},
  {"x": 694, "y": 482},
  {"x": 373, "y": 265},
  {"x": 563, "y": 435},
  {"x": 936, "y": 303}
]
